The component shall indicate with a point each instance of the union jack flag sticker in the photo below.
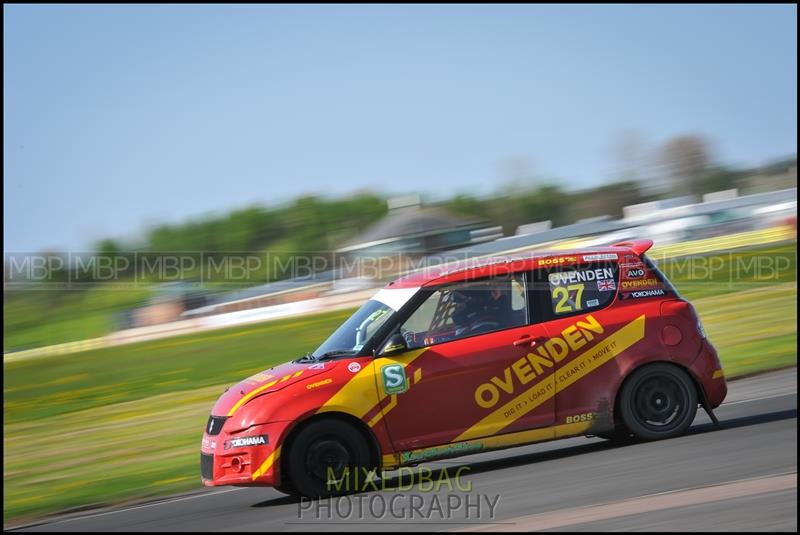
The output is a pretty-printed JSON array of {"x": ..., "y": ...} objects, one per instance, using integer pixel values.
[{"x": 606, "y": 285}]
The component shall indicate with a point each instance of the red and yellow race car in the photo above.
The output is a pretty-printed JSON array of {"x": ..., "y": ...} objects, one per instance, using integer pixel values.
[{"x": 468, "y": 358}]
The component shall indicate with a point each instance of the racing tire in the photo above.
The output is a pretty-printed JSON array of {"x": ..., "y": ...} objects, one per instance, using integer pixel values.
[
  {"x": 323, "y": 448},
  {"x": 658, "y": 401}
]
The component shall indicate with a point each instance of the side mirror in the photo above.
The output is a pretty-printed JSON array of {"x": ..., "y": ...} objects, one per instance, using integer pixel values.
[{"x": 395, "y": 344}]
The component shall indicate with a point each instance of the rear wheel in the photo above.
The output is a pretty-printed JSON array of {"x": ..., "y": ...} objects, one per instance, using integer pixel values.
[
  {"x": 327, "y": 458},
  {"x": 658, "y": 401}
]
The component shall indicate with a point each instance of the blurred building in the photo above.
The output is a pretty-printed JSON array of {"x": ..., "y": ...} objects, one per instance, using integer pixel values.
[
  {"x": 264, "y": 295},
  {"x": 410, "y": 228},
  {"x": 168, "y": 302}
]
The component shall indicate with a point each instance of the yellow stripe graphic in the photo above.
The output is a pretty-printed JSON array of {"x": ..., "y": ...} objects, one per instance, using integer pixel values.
[
  {"x": 386, "y": 409},
  {"x": 393, "y": 399},
  {"x": 362, "y": 392},
  {"x": 535, "y": 435},
  {"x": 543, "y": 390},
  {"x": 391, "y": 461},
  {"x": 267, "y": 464},
  {"x": 247, "y": 397},
  {"x": 261, "y": 388}
]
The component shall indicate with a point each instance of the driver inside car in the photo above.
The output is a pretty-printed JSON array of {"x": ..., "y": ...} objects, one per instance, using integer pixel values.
[
  {"x": 474, "y": 309},
  {"x": 467, "y": 306},
  {"x": 488, "y": 310}
]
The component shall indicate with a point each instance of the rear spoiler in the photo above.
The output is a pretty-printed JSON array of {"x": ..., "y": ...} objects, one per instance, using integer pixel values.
[{"x": 637, "y": 246}]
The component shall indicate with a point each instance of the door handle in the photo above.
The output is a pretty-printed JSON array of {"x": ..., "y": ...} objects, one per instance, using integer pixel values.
[{"x": 529, "y": 341}]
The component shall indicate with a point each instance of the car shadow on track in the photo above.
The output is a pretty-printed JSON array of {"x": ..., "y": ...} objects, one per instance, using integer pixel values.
[
  {"x": 744, "y": 421},
  {"x": 406, "y": 480}
]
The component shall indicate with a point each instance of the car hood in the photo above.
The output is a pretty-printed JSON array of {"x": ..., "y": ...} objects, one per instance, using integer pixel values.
[{"x": 269, "y": 380}]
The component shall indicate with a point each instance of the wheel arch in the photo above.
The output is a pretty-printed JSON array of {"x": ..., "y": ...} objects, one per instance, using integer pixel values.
[
  {"x": 617, "y": 420},
  {"x": 356, "y": 423}
]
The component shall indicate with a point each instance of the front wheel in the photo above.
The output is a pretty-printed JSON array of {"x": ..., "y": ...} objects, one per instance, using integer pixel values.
[
  {"x": 658, "y": 401},
  {"x": 327, "y": 458}
]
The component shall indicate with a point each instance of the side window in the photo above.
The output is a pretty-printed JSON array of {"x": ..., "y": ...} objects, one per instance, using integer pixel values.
[
  {"x": 467, "y": 309},
  {"x": 639, "y": 278},
  {"x": 577, "y": 289}
]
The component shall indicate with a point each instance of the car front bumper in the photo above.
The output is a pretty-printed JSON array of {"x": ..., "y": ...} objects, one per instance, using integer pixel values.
[{"x": 248, "y": 457}]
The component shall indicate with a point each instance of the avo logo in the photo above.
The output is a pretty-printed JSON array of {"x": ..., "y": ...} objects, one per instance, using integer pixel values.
[{"x": 394, "y": 379}]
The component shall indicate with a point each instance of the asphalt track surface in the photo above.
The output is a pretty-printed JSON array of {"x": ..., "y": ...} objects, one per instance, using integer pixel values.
[{"x": 743, "y": 477}]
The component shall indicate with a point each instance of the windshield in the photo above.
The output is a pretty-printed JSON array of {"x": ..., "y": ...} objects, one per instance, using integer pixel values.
[{"x": 354, "y": 333}]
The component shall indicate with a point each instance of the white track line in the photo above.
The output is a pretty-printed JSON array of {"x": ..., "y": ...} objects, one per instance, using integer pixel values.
[
  {"x": 726, "y": 403},
  {"x": 647, "y": 504}
]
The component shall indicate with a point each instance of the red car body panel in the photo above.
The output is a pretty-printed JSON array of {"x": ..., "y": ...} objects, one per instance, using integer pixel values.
[{"x": 476, "y": 393}]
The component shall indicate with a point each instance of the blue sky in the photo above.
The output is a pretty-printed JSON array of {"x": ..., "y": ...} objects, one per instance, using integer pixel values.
[{"x": 119, "y": 117}]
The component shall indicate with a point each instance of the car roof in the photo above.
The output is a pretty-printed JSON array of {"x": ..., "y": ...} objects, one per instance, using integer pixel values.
[{"x": 473, "y": 268}]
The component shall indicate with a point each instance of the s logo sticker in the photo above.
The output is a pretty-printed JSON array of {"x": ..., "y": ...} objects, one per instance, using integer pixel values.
[{"x": 394, "y": 379}]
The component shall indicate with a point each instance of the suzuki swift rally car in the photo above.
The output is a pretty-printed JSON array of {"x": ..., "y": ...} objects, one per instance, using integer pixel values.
[{"x": 465, "y": 359}]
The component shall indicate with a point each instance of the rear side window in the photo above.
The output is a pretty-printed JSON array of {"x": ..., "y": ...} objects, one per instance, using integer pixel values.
[
  {"x": 659, "y": 275},
  {"x": 641, "y": 279},
  {"x": 571, "y": 290}
]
